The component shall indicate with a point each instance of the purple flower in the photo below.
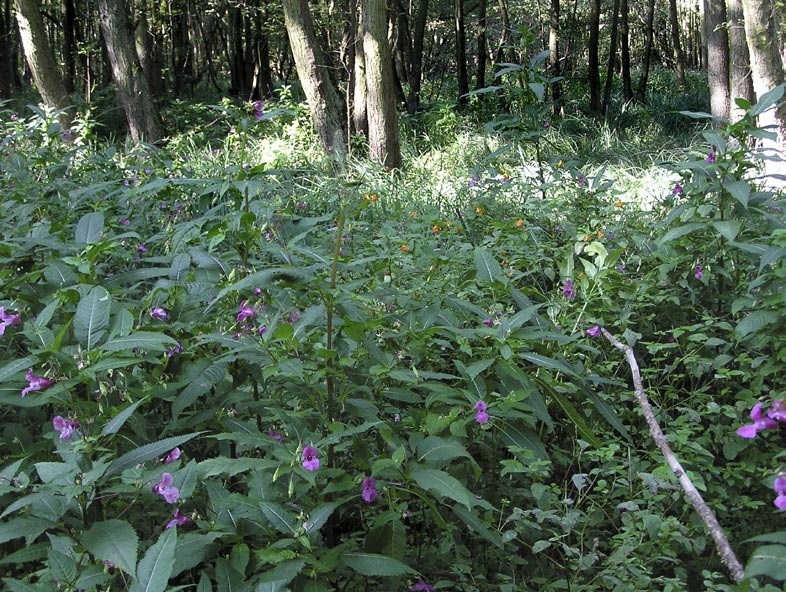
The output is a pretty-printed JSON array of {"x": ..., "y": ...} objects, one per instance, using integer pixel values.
[
  {"x": 159, "y": 313},
  {"x": 257, "y": 291},
  {"x": 310, "y": 460},
  {"x": 37, "y": 383},
  {"x": 141, "y": 249},
  {"x": 592, "y": 331},
  {"x": 488, "y": 322},
  {"x": 780, "y": 488},
  {"x": 710, "y": 156},
  {"x": 568, "y": 290},
  {"x": 760, "y": 423},
  {"x": 8, "y": 320},
  {"x": 421, "y": 586},
  {"x": 171, "y": 351},
  {"x": 582, "y": 180},
  {"x": 178, "y": 519},
  {"x": 66, "y": 427},
  {"x": 473, "y": 182},
  {"x": 173, "y": 455},
  {"x": 294, "y": 317},
  {"x": 262, "y": 330},
  {"x": 164, "y": 488},
  {"x": 699, "y": 272},
  {"x": 258, "y": 110},
  {"x": 481, "y": 416},
  {"x": 369, "y": 493},
  {"x": 677, "y": 189},
  {"x": 777, "y": 410},
  {"x": 277, "y": 437},
  {"x": 124, "y": 221},
  {"x": 246, "y": 312}
]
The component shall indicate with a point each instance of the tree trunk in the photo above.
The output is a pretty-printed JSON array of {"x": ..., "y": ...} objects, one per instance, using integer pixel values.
[
  {"x": 133, "y": 91},
  {"x": 416, "y": 67},
  {"x": 505, "y": 51},
  {"x": 679, "y": 59},
  {"x": 594, "y": 64},
  {"x": 461, "y": 53},
  {"x": 554, "y": 64},
  {"x": 627, "y": 85},
  {"x": 6, "y": 68},
  {"x": 767, "y": 67},
  {"x": 323, "y": 100},
  {"x": 480, "y": 75},
  {"x": 641, "y": 91},
  {"x": 741, "y": 80},
  {"x": 69, "y": 45},
  {"x": 718, "y": 64},
  {"x": 380, "y": 99},
  {"x": 237, "y": 59},
  {"x": 612, "y": 56}
]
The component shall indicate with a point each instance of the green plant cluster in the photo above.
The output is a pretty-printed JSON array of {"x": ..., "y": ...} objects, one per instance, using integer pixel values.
[{"x": 243, "y": 372}]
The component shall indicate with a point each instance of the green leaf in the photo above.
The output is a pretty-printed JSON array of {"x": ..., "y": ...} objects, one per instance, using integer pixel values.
[
  {"x": 477, "y": 526},
  {"x": 739, "y": 190},
  {"x": 262, "y": 278},
  {"x": 20, "y": 586},
  {"x": 25, "y": 554},
  {"x": 436, "y": 449},
  {"x": 372, "y": 564},
  {"x": 114, "y": 541},
  {"x": 155, "y": 568},
  {"x": 768, "y": 560},
  {"x": 61, "y": 566},
  {"x": 180, "y": 265},
  {"x": 279, "y": 518},
  {"x": 680, "y": 231},
  {"x": 147, "y": 340},
  {"x": 770, "y": 537},
  {"x": 17, "y": 366},
  {"x": 696, "y": 114},
  {"x": 114, "y": 424},
  {"x": 192, "y": 549},
  {"x": 89, "y": 228},
  {"x": 319, "y": 516},
  {"x": 92, "y": 317},
  {"x": 549, "y": 363},
  {"x": 487, "y": 268},
  {"x": 26, "y": 526},
  {"x": 148, "y": 452},
  {"x": 199, "y": 385},
  {"x": 767, "y": 100},
  {"x": 442, "y": 484},
  {"x": 277, "y": 578},
  {"x": 755, "y": 321},
  {"x": 576, "y": 418}
]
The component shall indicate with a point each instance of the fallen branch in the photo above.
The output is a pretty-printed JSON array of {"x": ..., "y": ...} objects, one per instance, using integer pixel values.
[{"x": 727, "y": 555}]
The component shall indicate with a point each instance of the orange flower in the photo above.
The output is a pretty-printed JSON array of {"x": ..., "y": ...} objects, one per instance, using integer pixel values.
[
  {"x": 435, "y": 229},
  {"x": 618, "y": 203},
  {"x": 600, "y": 234},
  {"x": 374, "y": 198},
  {"x": 480, "y": 211},
  {"x": 587, "y": 238},
  {"x": 519, "y": 223},
  {"x": 560, "y": 164},
  {"x": 404, "y": 248}
]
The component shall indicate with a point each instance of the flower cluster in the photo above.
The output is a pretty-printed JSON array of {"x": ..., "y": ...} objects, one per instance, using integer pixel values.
[
  {"x": 369, "y": 493},
  {"x": 8, "y": 320},
  {"x": 481, "y": 415},
  {"x": 66, "y": 427},
  {"x": 761, "y": 422}
]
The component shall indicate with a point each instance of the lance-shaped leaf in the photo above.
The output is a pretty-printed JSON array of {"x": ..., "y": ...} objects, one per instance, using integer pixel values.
[
  {"x": 148, "y": 452},
  {"x": 114, "y": 541},
  {"x": 92, "y": 317},
  {"x": 155, "y": 568},
  {"x": 372, "y": 564}
]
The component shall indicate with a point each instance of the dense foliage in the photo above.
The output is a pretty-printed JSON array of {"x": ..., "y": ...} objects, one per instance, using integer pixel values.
[{"x": 226, "y": 366}]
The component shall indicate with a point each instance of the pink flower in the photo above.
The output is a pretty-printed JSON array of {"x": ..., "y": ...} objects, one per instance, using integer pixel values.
[
  {"x": 66, "y": 427},
  {"x": 159, "y": 313},
  {"x": 246, "y": 312},
  {"x": 777, "y": 410},
  {"x": 677, "y": 189},
  {"x": 8, "y": 320},
  {"x": 481, "y": 416},
  {"x": 310, "y": 460},
  {"x": 760, "y": 423},
  {"x": 699, "y": 272},
  {"x": 568, "y": 290},
  {"x": 141, "y": 249},
  {"x": 178, "y": 519},
  {"x": 369, "y": 493},
  {"x": 164, "y": 488},
  {"x": 592, "y": 331},
  {"x": 421, "y": 586},
  {"x": 275, "y": 435},
  {"x": 173, "y": 455},
  {"x": 37, "y": 383}
]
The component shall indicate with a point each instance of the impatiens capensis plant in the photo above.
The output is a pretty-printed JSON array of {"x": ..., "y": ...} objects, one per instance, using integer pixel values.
[{"x": 222, "y": 370}]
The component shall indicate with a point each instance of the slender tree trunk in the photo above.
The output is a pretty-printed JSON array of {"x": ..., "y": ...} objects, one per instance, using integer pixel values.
[
  {"x": 40, "y": 58},
  {"x": 767, "y": 67},
  {"x": 382, "y": 117},
  {"x": 641, "y": 91},
  {"x": 323, "y": 100},
  {"x": 594, "y": 63},
  {"x": 133, "y": 91},
  {"x": 505, "y": 51},
  {"x": 554, "y": 63},
  {"x": 741, "y": 79},
  {"x": 627, "y": 85},
  {"x": 679, "y": 59},
  {"x": 480, "y": 75},
  {"x": 416, "y": 67},
  {"x": 612, "y": 56},
  {"x": 6, "y": 72},
  {"x": 461, "y": 52},
  {"x": 69, "y": 45},
  {"x": 237, "y": 59},
  {"x": 718, "y": 64}
]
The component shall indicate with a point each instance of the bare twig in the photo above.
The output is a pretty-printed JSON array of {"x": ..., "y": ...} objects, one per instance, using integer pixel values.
[{"x": 726, "y": 553}]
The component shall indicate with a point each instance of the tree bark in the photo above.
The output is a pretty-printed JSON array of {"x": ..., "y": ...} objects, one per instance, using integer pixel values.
[
  {"x": 679, "y": 59},
  {"x": 627, "y": 85},
  {"x": 505, "y": 51},
  {"x": 6, "y": 71},
  {"x": 380, "y": 99},
  {"x": 416, "y": 67},
  {"x": 741, "y": 79},
  {"x": 69, "y": 45},
  {"x": 144, "y": 123},
  {"x": 641, "y": 91},
  {"x": 461, "y": 52},
  {"x": 322, "y": 97},
  {"x": 480, "y": 74},
  {"x": 767, "y": 67},
  {"x": 554, "y": 63},
  {"x": 612, "y": 56},
  {"x": 594, "y": 63},
  {"x": 718, "y": 63},
  {"x": 40, "y": 58}
]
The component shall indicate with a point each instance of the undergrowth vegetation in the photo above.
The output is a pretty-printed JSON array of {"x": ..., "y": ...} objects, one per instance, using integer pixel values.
[{"x": 225, "y": 365}]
